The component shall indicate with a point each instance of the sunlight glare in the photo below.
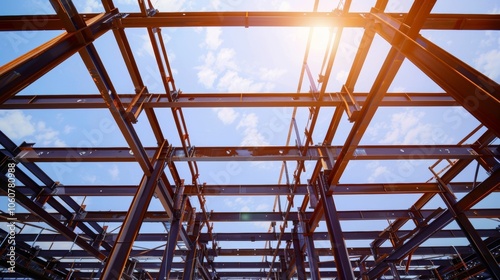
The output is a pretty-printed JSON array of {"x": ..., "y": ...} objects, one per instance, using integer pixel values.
[{"x": 320, "y": 38}]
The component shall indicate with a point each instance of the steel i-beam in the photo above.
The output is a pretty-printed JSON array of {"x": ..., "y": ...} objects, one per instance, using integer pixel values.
[
  {"x": 475, "y": 240},
  {"x": 335, "y": 232},
  {"x": 299, "y": 256},
  {"x": 131, "y": 225}
]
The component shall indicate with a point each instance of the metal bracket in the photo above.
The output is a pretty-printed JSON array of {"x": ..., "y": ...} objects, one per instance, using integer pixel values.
[
  {"x": 136, "y": 105},
  {"x": 313, "y": 198},
  {"x": 350, "y": 104}
]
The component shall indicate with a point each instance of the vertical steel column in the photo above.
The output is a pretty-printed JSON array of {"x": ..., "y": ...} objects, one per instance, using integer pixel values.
[
  {"x": 168, "y": 254},
  {"x": 284, "y": 268},
  {"x": 475, "y": 240},
  {"x": 339, "y": 248},
  {"x": 299, "y": 256},
  {"x": 190, "y": 263},
  {"x": 394, "y": 271},
  {"x": 173, "y": 235},
  {"x": 130, "y": 228},
  {"x": 312, "y": 257}
]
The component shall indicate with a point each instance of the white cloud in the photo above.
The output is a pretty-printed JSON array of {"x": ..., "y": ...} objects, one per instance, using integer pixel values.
[
  {"x": 206, "y": 77},
  {"x": 212, "y": 37},
  {"x": 68, "y": 129},
  {"x": 404, "y": 128},
  {"x": 249, "y": 120},
  {"x": 170, "y": 5},
  {"x": 225, "y": 60},
  {"x": 213, "y": 64},
  {"x": 47, "y": 136},
  {"x": 16, "y": 124},
  {"x": 226, "y": 115},
  {"x": 489, "y": 63},
  {"x": 267, "y": 74},
  {"x": 232, "y": 82},
  {"x": 488, "y": 60},
  {"x": 89, "y": 178},
  {"x": 146, "y": 48},
  {"x": 92, "y": 6},
  {"x": 341, "y": 76},
  {"x": 377, "y": 172},
  {"x": 114, "y": 172},
  {"x": 251, "y": 135}
]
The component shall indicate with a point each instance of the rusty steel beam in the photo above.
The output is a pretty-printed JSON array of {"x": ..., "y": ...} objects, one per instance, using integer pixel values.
[
  {"x": 53, "y": 222},
  {"x": 240, "y": 265},
  {"x": 257, "y": 236},
  {"x": 24, "y": 70},
  {"x": 468, "y": 201},
  {"x": 364, "y": 251},
  {"x": 237, "y": 274},
  {"x": 159, "y": 216},
  {"x": 211, "y": 100},
  {"x": 336, "y": 234},
  {"x": 135, "y": 215},
  {"x": 257, "y": 190},
  {"x": 252, "y": 153},
  {"x": 194, "y": 19},
  {"x": 477, "y": 93}
]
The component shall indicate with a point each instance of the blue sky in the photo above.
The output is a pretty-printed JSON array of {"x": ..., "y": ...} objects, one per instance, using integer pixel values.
[{"x": 245, "y": 60}]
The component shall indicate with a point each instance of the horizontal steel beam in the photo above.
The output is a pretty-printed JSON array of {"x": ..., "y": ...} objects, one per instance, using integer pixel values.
[
  {"x": 238, "y": 274},
  {"x": 250, "y": 19},
  {"x": 257, "y": 190},
  {"x": 236, "y": 265},
  {"x": 211, "y": 100},
  {"x": 256, "y": 236},
  {"x": 119, "y": 216},
  {"x": 355, "y": 251},
  {"x": 253, "y": 153}
]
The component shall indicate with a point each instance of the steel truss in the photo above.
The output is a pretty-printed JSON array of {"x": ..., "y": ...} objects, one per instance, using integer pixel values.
[{"x": 83, "y": 247}]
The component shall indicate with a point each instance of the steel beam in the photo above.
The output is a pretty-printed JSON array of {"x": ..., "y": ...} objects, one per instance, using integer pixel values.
[
  {"x": 257, "y": 190},
  {"x": 194, "y": 19},
  {"x": 211, "y": 100},
  {"x": 451, "y": 173},
  {"x": 476, "y": 92},
  {"x": 118, "y": 256},
  {"x": 482, "y": 251},
  {"x": 35, "y": 209},
  {"x": 235, "y": 265},
  {"x": 161, "y": 216},
  {"x": 259, "y": 236},
  {"x": 40, "y": 191},
  {"x": 24, "y": 70},
  {"x": 255, "y": 153},
  {"x": 414, "y": 19},
  {"x": 190, "y": 263},
  {"x": 468, "y": 201},
  {"x": 299, "y": 255},
  {"x": 434, "y": 250},
  {"x": 335, "y": 231}
]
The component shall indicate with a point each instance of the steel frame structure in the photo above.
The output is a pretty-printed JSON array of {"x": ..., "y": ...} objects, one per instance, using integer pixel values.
[{"x": 190, "y": 249}]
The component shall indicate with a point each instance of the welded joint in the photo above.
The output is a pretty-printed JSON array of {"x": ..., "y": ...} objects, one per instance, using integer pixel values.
[
  {"x": 351, "y": 106},
  {"x": 191, "y": 221},
  {"x": 135, "y": 107},
  {"x": 313, "y": 197},
  {"x": 100, "y": 237},
  {"x": 151, "y": 12}
]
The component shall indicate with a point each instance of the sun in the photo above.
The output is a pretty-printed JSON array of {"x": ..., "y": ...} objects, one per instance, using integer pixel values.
[{"x": 320, "y": 37}]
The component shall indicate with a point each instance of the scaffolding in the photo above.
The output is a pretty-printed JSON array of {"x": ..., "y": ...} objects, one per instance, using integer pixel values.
[{"x": 73, "y": 242}]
